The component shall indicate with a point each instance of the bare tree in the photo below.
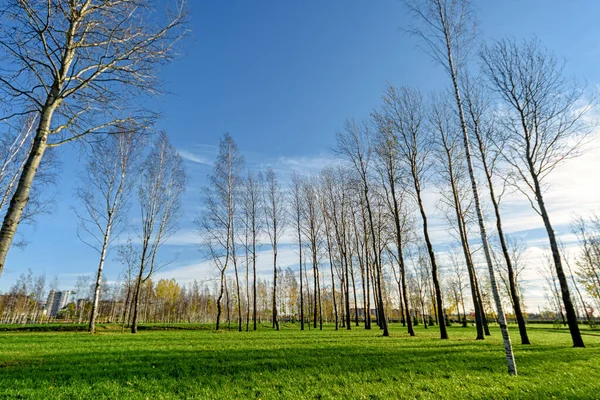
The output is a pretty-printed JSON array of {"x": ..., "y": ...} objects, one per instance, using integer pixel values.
[
  {"x": 274, "y": 213},
  {"x": 253, "y": 209},
  {"x": 80, "y": 68},
  {"x": 389, "y": 167},
  {"x": 452, "y": 172},
  {"x": 404, "y": 113},
  {"x": 106, "y": 184},
  {"x": 162, "y": 183},
  {"x": 482, "y": 129},
  {"x": 297, "y": 212},
  {"x": 313, "y": 230},
  {"x": 544, "y": 125},
  {"x": 329, "y": 211},
  {"x": 353, "y": 144},
  {"x": 447, "y": 32},
  {"x": 216, "y": 223}
]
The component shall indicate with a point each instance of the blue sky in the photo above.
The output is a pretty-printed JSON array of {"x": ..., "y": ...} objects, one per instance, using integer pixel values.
[{"x": 281, "y": 77}]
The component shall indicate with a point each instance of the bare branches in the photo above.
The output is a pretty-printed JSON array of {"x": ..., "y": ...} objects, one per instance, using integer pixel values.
[{"x": 544, "y": 114}]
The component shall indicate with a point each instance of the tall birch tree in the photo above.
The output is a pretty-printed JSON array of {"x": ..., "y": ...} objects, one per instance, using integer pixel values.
[
  {"x": 79, "y": 67},
  {"x": 104, "y": 193},
  {"x": 447, "y": 32}
]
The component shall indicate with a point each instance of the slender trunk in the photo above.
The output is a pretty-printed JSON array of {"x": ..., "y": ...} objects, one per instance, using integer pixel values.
[
  {"x": 402, "y": 286},
  {"x": 512, "y": 368},
  {"x": 514, "y": 293},
  {"x": 247, "y": 280},
  {"x": 368, "y": 276},
  {"x": 21, "y": 195},
  {"x": 254, "y": 276},
  {"x": 275, "y": 322},
  {"x": 335, "y": 309},
  {"x": 219, "y": 299},
  {"x": 377, "y": 264},
  {"x": 560, "y": 273},
  {"x": 364, "y": 288},
  {"x": 462, "y": 230},
  {"x": 320, "y": 304},
  {"x": 301, "y": 283},
  {"x": 237, "y": 283},
  {"x": 136, "y": 305},
  {"x": 315, "y": 294},
  {"x": 330, "y": 253},
  {"x": 92, "y": 324},
  {"x": 434, "y": 267},
  {"x": 354, "y": 292},
  {"x": 347, "y": 282},
  {"x": 136, "y": 297},
  {"x": 435, "y": 312},
  {"x": 228, "y": 305}
]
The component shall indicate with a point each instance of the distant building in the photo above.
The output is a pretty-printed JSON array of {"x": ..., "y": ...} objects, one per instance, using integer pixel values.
[{"x": 56, "y": 301}]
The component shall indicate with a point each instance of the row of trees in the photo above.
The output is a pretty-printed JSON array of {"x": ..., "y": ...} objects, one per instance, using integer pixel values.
[
  {"x": 81, "y": 71},
  {"x": 509, "y": 119},
  {"x": 512, "y": 124}
]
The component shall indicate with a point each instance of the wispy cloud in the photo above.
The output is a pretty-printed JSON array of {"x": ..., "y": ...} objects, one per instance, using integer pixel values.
[{"x": 195, "y": 158}]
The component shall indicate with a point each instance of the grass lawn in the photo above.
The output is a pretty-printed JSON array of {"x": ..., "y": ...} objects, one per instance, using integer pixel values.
[{"x": 356, "y": 364}]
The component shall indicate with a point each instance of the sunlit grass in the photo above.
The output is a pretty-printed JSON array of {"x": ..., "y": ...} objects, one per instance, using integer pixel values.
[{"x": 293, "y": 364}]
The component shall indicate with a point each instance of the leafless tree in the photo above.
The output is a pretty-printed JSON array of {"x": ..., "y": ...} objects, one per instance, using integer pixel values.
[
  {"x": 329, "y": 210},
  {"x": 544, "y": 124},
  {"x": 216, "y": 223},
  {"x": 447, "y": 30},
  {"x": 162, "y": 183},
  {"x": 354, "y": 145},
  {"x": 106, "y": 184},
  {"x": 79, "y": 67},
  {"x": 451, "y": 170},
  {"x": 274, "y": 213},
  {"x": 253, "y": 209},
  {"x": 313, "y": 233},
  {"x": 297, "y": 214},
  {"x": 389, "y": 167},
  {"x": 482, "y": 127},
  {"x": 404, "y": 113}
]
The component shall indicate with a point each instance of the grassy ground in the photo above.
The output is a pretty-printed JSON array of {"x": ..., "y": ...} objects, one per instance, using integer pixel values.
[{"x": 355, "y": 364}]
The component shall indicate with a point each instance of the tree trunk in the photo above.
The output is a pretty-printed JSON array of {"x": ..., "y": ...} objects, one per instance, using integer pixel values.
[
  {"x": 92, "y": 325},
  {"x": 377, "y": 264},
  {"x": 21, "y": 196},
  {"x": 402, "y": 287},
  {"x": 335, "y": 309},
  {"x": 301, "y": 283},
  {"x": 512, "y": 368},
  {"x": 254, "y": 278},
  {"x": 275, "y": 322},
  {"x": 219, "y": 299},
  {"x": 560, "y": 273},
  {"x": 514, "y": 293},
  {"x": 434, "y": 268},
  {"x": 136, "y": 305}
]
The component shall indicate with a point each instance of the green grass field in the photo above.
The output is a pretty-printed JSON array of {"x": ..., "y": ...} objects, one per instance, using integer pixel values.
[{"x": 357, "y": 364}]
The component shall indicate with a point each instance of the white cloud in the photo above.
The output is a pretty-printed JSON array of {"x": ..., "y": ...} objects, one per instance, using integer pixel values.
[{"x": 195, "y": 158}]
